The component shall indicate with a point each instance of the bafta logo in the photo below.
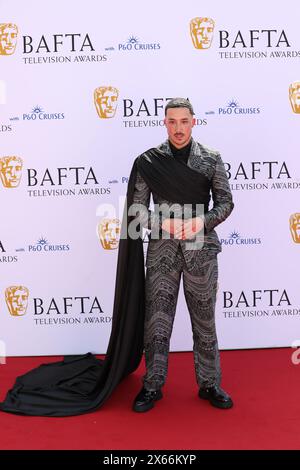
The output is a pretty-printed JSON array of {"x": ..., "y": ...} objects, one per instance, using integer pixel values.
[
  {"x": 109, "y": 233},
  {"x": 17, "y": 300},
  {"x": 8, "y": 38},
  {"x": 202, "y": 30},
  {"x": 295, "y": 227},
  {"x": 106, "y": 101},
  {"x": 11, "y": 171},
  {"x": 294, "y": 94}
]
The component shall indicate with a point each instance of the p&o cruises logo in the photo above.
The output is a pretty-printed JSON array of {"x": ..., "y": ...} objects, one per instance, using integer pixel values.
[
  {"x": 235, "y": 239},
  {"x": 43, "y": 246},
  {"x": 38, "y": 114},
  {"x": 233, "y": 108},
  {"x": 134, "y": 44}
]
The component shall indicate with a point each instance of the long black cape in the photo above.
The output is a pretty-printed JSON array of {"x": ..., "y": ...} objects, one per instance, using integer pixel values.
[{"x": 81, "y": 384}]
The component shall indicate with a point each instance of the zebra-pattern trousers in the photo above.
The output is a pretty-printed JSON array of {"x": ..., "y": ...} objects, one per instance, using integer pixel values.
[{"x": 200, "y": 286}]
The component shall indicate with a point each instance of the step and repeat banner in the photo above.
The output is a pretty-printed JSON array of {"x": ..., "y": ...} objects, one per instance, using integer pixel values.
[{"x": 83, "y": 86}]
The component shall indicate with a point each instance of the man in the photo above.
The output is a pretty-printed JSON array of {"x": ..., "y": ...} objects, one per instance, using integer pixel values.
[
  {"x": 180, "y": 174},
  {"x": 174, "y": 254}
]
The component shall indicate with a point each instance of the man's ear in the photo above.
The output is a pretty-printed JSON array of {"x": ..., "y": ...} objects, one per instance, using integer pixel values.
[{"x": 194, "y": 121}]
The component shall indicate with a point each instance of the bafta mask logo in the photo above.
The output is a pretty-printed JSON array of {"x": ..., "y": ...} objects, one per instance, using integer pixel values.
[
  {"x": 8, "y": 38},
  {"x": 202, "y": 30},
  {"x": 294, "y": 94},
  {"x": 109, "y": 233},
  {"x": 295, "y": 227},
  {"x": 106, "y": 101},
  {"x": 11, "y": 171},
  {"x": 17, "y": 300}
]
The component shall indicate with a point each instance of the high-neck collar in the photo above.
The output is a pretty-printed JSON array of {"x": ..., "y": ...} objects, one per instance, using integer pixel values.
[{"x": 182, "y": 153}]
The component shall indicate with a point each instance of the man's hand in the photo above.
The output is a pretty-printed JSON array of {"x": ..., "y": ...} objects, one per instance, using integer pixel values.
[
  {"x": 183, "y": 229},
  {"x": 172, "y": 226},
  {"x": 191, "y": 227}
]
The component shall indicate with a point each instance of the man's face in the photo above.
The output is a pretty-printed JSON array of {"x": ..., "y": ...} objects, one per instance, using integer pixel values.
[
  {"x": 8, "y": 40},
  {"x": 10, "y": 172},
  {"x": 17, "y": 302},
  {"x": 202, "y": 33},
  {"x": 295, "y": 96},
  {"x": 179, "y": 123},
  {"x": 106, "y": 102}
]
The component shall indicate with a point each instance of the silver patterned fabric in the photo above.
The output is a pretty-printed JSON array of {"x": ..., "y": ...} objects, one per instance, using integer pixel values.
[
  {"x": 167, "y": 259},
  {"x": 162, "y": 286}
]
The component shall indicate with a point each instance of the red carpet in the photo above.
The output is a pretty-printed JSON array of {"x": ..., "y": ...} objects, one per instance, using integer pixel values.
[{"x": 263, "y": 383}]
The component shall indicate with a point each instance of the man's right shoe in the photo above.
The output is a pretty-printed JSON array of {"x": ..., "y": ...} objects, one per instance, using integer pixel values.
[
  {"x": 145, "y": 400},
  {"x": 216, "y": 396}
]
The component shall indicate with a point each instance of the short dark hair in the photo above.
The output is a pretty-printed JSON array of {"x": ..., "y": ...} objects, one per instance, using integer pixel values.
[{"x": 179, "y": 103}]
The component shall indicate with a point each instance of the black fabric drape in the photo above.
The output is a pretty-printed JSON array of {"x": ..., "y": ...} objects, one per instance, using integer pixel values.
[
  {"x": 81, "y": 384},
  {"x": 172, "y": 179}
]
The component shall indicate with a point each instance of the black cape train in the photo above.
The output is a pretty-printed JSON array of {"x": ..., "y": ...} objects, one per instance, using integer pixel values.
[{"x": 81, "y": 384}]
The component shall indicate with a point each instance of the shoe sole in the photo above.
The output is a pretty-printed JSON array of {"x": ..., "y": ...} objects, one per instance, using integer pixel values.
[
  {"x": 216, "y": 404},
  {"x": 144, "y": 408}
]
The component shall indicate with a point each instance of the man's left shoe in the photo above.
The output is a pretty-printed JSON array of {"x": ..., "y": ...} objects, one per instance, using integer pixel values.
[
  {"x": 216, "y": 396},
  {"x": 145, "y": 400}
]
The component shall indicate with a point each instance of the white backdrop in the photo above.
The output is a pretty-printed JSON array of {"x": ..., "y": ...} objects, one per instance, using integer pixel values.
[{"x": 61, "y": 276}]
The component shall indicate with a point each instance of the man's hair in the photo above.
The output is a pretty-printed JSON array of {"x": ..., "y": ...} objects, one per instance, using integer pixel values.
[{"x": 179, "y": 103}]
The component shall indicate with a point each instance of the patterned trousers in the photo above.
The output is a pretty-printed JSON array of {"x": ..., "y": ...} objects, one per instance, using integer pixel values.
[{"x": 162, "y": 286}]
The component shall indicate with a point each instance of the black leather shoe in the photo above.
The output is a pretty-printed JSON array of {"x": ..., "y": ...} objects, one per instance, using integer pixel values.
[
  {"x": 144, "y": 401},
  {"x": 216, "y": 396}
]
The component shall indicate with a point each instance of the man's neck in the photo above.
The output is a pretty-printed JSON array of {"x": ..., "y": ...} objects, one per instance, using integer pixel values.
[{"x": 187, "y": 144}]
